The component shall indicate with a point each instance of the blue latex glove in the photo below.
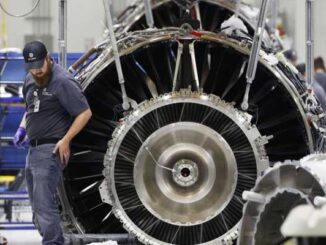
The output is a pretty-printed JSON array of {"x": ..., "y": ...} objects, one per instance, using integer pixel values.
[{"x": 19, "y": 137}]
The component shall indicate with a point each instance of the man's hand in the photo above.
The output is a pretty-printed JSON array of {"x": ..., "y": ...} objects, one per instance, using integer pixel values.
[
  {"x": 63, "y": 146},
  {"x": 19, "y": 137}
]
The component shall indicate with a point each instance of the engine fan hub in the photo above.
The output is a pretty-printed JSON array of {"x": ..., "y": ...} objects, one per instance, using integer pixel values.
[
  {"x": 185, "y": 172},
  {"x": 193, "y": 162},
  {"x": 176, "y": 166}
]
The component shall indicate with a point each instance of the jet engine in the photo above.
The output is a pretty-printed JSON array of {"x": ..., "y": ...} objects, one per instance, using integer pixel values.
[{"x": 172, "y": 168}]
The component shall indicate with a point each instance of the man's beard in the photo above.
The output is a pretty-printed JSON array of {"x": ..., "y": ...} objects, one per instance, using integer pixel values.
[{"x": 43, "y": 80}]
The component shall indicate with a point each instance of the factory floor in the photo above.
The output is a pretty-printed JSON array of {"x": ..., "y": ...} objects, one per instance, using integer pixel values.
[
  {"x": 20, "y": 214},
  {"x": 32, "y": 237},
  {"x": 21, "y": 237}
]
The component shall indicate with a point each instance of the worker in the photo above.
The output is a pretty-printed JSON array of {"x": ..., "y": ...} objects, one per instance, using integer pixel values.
[
  {"x": 56, "y": 111},
  {"x": 291, "y": 56},
  {"x": 316, "y": 87},
  {"x": 320, "y": 71}
]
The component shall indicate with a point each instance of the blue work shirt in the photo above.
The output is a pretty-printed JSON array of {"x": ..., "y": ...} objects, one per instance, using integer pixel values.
[{"x": 51, "y": 109}]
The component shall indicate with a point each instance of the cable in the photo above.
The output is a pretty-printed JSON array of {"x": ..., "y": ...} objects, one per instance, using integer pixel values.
[
  {"x": 20, "y": 15},
  {"x": 4, "y": 33}
]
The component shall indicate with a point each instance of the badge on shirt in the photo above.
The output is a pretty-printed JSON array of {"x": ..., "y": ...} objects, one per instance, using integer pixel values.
[{"x": 37, "y": 103}]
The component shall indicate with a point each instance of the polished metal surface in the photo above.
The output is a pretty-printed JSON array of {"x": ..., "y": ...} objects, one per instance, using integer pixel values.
[
  {"x": 185, "y": 174},
  {"x": 205, "y": 11},
  {"x": 276, "y": 109},
  {"x": 136, "y": 11},
  {"x": 133, "y": 42},
  {"x": 277, "y": 126},
  {"x": 202, "y": 176}
]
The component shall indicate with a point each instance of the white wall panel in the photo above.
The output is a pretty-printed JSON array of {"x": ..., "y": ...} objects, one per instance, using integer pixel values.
[{"x": 86, "y": 22}]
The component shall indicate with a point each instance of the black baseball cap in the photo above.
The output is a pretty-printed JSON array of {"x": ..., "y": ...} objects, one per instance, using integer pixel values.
[
  {"x": 34, "y": 54},
  {"x": 301, "y": 68},
  {"x": 291, "y": 55}
]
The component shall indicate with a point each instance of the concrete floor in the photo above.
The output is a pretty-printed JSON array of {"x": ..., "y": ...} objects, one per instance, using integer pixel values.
[
  {"x": 22, "y": 237},
  {"x": 32, "y": 237}
]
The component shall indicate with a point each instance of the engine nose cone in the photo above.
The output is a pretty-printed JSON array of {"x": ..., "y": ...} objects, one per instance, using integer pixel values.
[
  {"x": 185, "y": 172},
  {"x": 193, "y": 161}
]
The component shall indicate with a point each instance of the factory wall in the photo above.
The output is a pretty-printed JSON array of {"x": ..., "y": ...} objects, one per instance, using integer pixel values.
[
  {"x": 292, "y": 17},
  {"x": 86, "y": 23}
]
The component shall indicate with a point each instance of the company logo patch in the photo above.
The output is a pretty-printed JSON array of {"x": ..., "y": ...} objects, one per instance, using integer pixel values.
[
  {"x": 31, "y": 57},
  {"x": 46, "y": 93}
]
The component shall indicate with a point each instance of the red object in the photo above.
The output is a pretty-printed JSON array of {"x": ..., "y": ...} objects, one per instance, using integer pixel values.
[{"x": 196, "y": 33}]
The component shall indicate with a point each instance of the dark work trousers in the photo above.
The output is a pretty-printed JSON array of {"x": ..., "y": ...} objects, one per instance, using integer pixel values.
[{"x": 43, "y": 173}]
